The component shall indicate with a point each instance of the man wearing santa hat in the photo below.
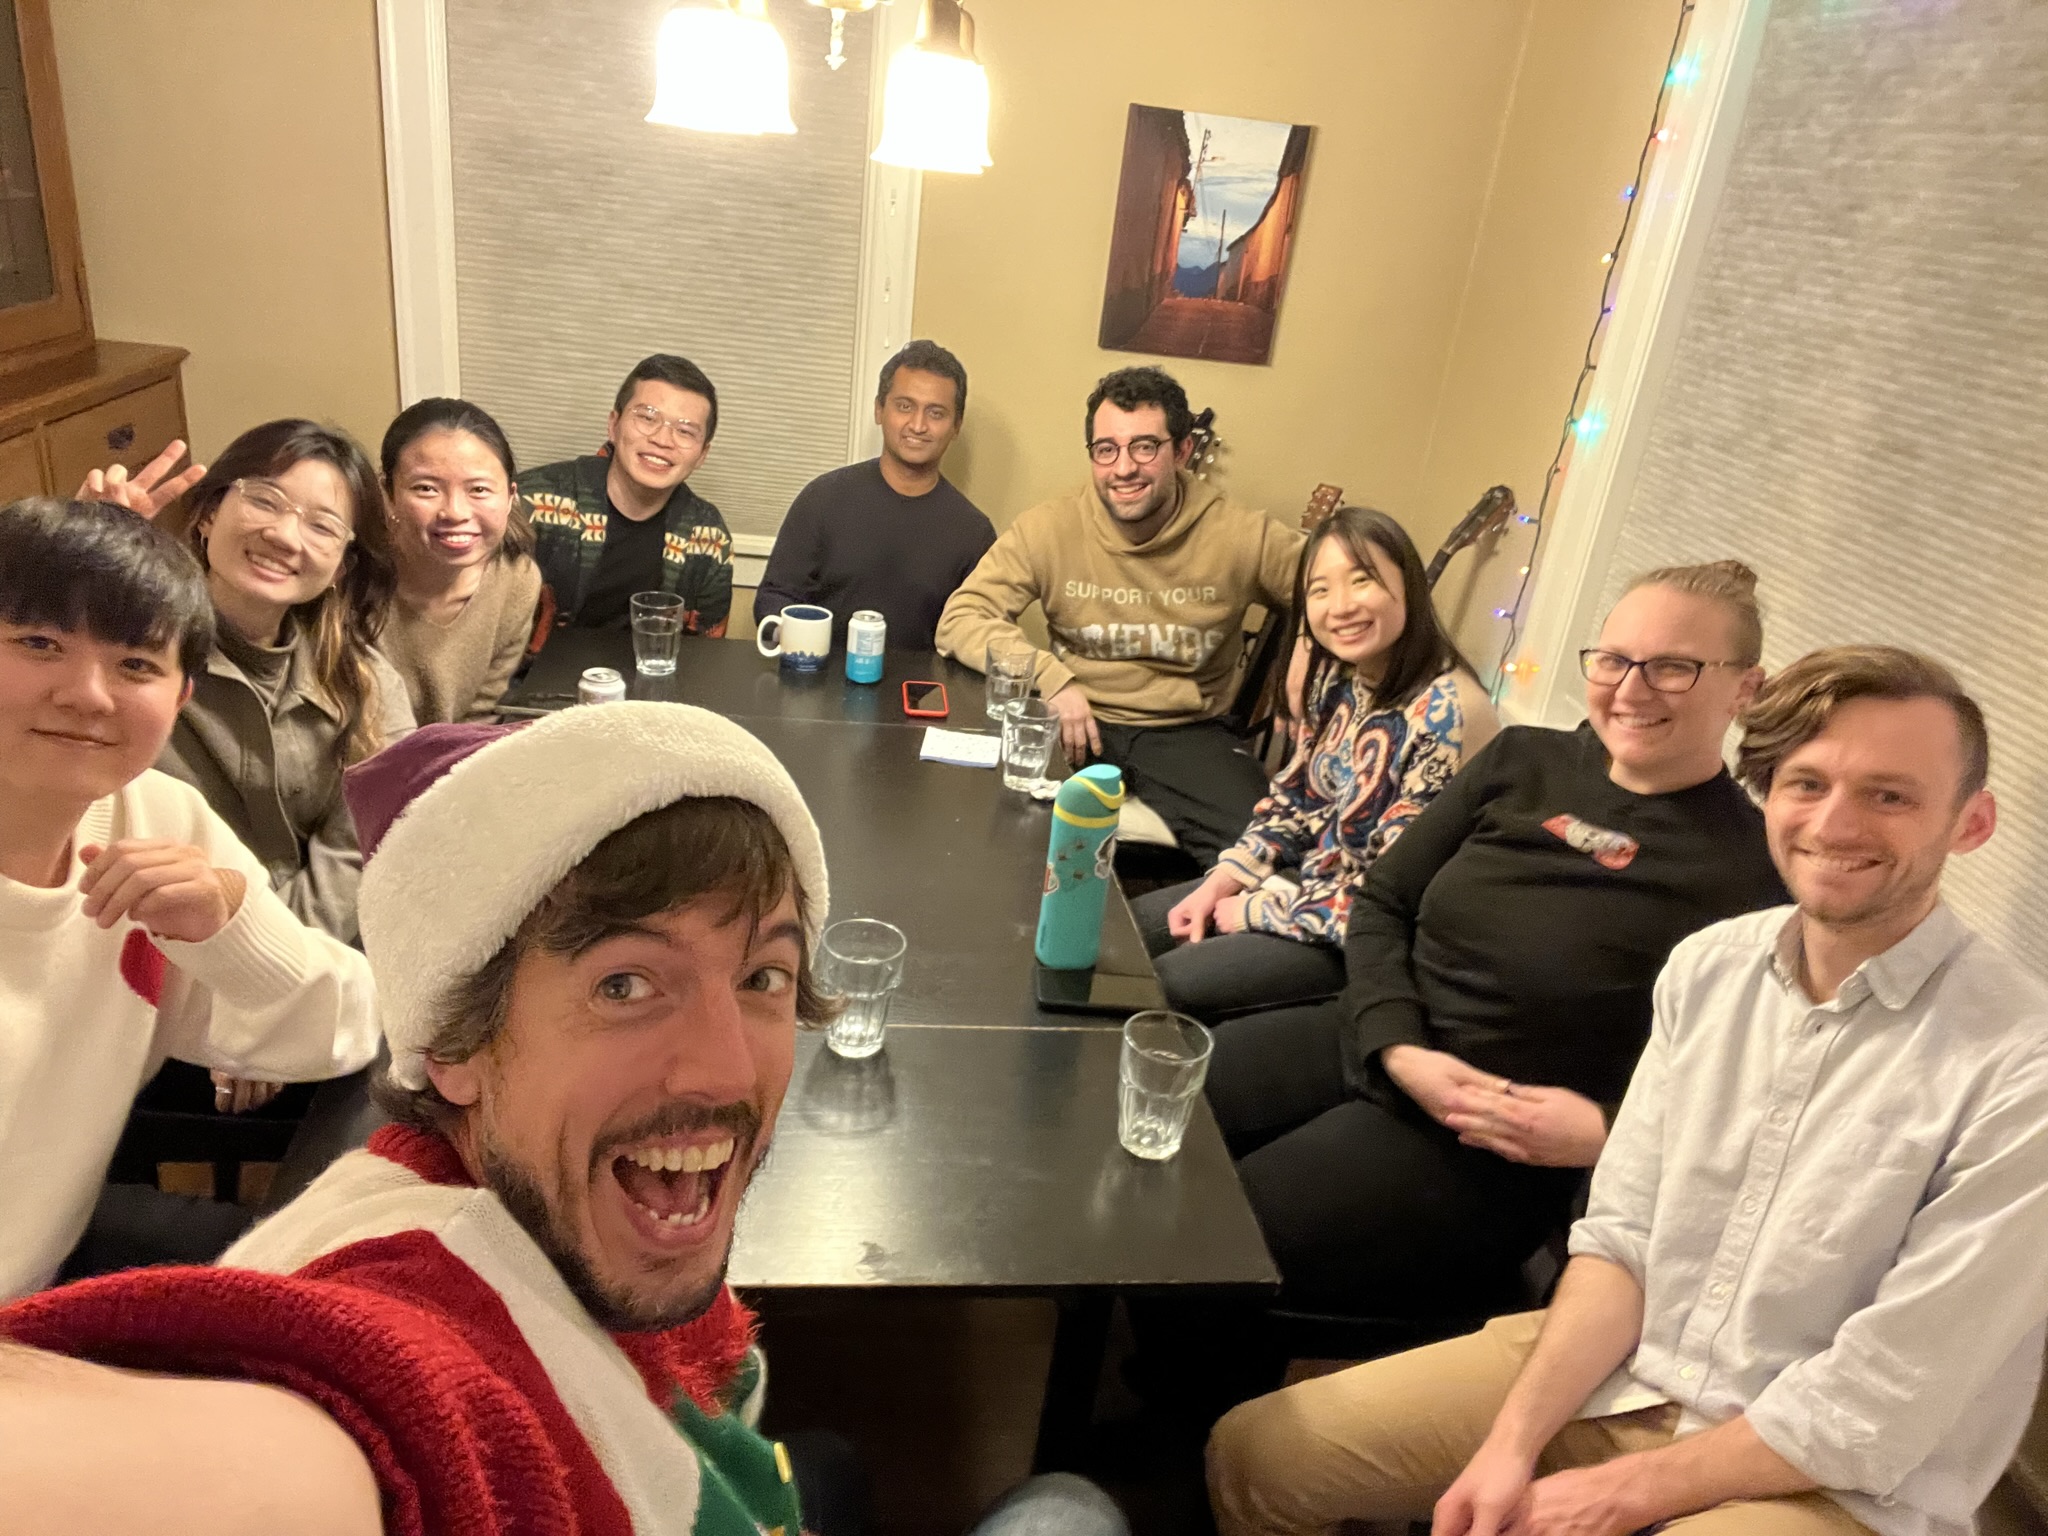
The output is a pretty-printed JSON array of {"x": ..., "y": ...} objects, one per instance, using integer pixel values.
[{"x": 591, "y": 938}]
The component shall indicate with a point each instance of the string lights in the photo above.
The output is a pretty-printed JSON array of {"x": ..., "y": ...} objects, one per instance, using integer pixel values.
[{"x": 1583, "y": 426}]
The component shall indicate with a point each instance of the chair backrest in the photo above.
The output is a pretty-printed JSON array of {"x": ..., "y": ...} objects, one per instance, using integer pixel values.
[{"x": 1251, "y": 706}]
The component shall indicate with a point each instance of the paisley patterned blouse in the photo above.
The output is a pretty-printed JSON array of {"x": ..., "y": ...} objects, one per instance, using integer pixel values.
[{"x": 1344, "y": 797}]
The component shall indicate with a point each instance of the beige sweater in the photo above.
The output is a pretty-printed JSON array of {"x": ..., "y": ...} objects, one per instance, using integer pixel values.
[
  {"x": 1151, "y": 631},
  {"x": 459, "y": 670}
]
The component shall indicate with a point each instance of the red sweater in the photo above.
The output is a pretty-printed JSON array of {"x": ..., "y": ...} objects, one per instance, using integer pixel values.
[{"x": 413, "y": 1353}]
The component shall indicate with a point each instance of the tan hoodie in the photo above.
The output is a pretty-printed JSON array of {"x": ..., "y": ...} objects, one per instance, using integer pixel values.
[{"x": 1151, "y": 631}]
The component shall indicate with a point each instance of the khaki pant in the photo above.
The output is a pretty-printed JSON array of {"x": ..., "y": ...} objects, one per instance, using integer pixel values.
[{"x": 1382, "y": 1441}]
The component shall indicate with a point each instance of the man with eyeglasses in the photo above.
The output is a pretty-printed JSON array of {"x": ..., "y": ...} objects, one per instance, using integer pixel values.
[
  {"x": 1144, "y": 577},
  {"x": 624, "y": 521},
  {"x": 1806, "y": 1298}
]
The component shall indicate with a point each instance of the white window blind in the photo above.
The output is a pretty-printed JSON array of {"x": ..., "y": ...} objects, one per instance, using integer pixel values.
[
  {"x": 586, "y": 238},
  {"x": 1858, "y": 405}
]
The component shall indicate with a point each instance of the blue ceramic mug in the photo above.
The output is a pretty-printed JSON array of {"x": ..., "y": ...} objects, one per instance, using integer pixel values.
[{"x": 803, "y": 637}]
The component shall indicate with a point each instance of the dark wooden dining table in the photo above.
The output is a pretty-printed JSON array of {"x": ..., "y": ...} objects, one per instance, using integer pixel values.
[{"x": 977, "y": 1153}]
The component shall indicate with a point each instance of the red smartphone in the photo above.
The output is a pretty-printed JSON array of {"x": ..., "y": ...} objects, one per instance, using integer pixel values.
[{"x": 924, "y": 701}]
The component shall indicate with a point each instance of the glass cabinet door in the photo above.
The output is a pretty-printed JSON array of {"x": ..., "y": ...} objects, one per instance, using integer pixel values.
[
  {"x": 25, "y": 271},
  {"x": 43, "y": 310}
]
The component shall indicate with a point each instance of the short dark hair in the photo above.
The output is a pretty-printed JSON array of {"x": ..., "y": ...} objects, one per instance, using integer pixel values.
[
  {"x": 94, "y": 567},
  {"x": 713, "y": 845},
  {"x": 678, "y": 373},
  {"x": 1795, "y": 706},
  {"x": 1129, "y": 388},
  {"x": 926, "y": 357},
  {"x": 439, "y": 413},
  {"x": 1424, "y": 651}
]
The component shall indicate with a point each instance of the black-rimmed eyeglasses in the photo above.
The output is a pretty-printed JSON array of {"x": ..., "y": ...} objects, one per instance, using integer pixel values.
[
  {"x": 1666, "y": 674},
  {"x": 1143, "y": 450}
]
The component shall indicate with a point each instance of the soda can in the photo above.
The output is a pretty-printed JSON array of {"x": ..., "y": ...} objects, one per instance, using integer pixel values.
[
  {"x": 600, "y": 685},
  {"x": 866, "y": 633}
]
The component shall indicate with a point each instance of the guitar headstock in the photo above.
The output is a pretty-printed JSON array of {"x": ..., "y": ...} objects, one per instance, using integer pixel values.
[
  {"x": 1322, "y": 501},
  {"x": 1489, "y": 515},
  {"x": 1207, "y": 443}
]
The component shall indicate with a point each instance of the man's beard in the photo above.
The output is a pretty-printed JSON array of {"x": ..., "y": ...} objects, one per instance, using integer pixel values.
[{"x": 615, "y": 1308}]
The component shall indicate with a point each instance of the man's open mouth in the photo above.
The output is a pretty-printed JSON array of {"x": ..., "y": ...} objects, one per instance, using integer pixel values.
[{"x": 675, "y": 1181}]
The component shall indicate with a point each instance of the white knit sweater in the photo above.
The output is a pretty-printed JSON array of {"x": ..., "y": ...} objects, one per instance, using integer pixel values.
[{"x": 87, "y": 1015}]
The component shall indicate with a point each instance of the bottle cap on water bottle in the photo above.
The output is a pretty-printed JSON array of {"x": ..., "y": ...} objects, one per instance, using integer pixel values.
[{"x": 1091, "y": 798}]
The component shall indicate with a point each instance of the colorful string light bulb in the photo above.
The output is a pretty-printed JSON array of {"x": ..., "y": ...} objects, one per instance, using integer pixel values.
[{"x": 1581, "y": 425}]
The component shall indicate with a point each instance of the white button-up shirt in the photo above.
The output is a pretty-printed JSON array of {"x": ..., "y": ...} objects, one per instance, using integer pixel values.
[{"x": 1838, "y": 1212}]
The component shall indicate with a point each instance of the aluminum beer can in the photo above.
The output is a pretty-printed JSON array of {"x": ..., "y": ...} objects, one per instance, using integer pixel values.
[
  {"x": 600, "y": 685},
  {"x": 866, "y": 633}
]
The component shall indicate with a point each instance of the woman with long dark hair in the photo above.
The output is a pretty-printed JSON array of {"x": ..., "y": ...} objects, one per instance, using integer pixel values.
[
  {"x": 467, "y": 582},
  {"x": 1392, "y": 711},
  {"x": 289, "y": 524}
]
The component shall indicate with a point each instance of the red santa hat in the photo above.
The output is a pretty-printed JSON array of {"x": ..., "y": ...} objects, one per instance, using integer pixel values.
[{"x": 464, "y": 828}]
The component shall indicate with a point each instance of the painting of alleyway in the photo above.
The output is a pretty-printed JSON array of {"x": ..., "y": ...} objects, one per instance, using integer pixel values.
[{"x": 1205, "y": 216}]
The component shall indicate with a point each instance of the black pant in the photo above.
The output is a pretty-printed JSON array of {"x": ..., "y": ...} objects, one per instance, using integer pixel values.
[
  {"x": 1202, "y": 779},
  {"x": 137, "y": 1224},
  {"x": 1228, "y": 974},
  {"x": 1369, "y": 1206}
]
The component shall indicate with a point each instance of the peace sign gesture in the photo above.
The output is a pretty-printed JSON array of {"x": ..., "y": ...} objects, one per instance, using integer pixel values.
[{"x": 146, "y": 492}]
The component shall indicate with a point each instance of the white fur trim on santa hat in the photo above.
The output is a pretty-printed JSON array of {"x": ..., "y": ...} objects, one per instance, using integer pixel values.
[{"x": 465, "y": 862}]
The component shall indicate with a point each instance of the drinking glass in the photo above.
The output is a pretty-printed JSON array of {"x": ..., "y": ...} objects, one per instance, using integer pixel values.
[
  {"x": 1029, "y": 730},
  {"x": 1011, "y": 664},
  {"x": 657, "y": 632},
  {"x": 1165, "y": 1058},
  {"x": 861, "y": 962}
]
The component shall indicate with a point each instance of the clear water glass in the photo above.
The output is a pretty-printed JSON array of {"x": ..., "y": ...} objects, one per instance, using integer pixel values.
[
  {"x": 1008, "y": 673},
  {"x": 1165, "y": 1060},
  {"x": 860, "y": 961},
  {"x": 657, "y": 632},
  {"x": 1029, "y": 730}
]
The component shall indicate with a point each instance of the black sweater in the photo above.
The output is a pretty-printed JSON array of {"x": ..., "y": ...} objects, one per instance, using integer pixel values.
[
  {"x": 1521, "y": 920},
  {"x": 852, "y": 541}
]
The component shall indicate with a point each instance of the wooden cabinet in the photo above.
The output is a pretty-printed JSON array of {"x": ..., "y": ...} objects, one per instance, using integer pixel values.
[
  {"x": 130, "y": 429},
  {"x": 21, "y": 468},
  {"x": 68, "y": 403},
  {"x": 117, "y": 403},
  {"x": 44, "y": 311}
]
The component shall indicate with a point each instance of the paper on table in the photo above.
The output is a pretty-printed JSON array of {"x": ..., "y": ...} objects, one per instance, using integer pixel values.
[{"x": 964, "y": 749}]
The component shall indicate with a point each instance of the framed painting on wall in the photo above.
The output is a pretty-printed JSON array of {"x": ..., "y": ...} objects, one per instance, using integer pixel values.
[{"x": 1205, "y": 216}]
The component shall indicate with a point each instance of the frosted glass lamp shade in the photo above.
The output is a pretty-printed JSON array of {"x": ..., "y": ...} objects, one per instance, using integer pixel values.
[
  {"x": 721, "y": 71},
  {"x": 935, "y": 113}
]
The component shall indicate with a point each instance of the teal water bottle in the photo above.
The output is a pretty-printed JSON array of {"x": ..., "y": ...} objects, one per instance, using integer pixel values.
[{"x": 1077, "y": 868}]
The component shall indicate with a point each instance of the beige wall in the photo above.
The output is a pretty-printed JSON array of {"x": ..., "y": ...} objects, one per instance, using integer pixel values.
[
  {"x": 1581, "y": 109},
  {"x": 1461, "y": 184},
  {"x": 1406, "y": 103},
  {"x": 229, "y": 157}
]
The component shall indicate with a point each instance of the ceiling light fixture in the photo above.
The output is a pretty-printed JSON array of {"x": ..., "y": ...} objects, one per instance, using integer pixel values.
[
  {"x": 721, "y": 68},
  {"x": 935, "y": 105},
  {"x": 835, "y": 56}
]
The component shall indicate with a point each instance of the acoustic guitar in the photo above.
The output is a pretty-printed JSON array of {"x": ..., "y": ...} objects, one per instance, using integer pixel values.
[{"x": 1489, "y": 514}]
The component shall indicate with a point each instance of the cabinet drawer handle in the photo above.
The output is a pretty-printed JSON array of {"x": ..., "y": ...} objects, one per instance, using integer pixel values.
[{"x": 121, "y": 439}]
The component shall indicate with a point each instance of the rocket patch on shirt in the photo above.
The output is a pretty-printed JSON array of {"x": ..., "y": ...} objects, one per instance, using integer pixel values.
[{"x": 1610, "y": 850}]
